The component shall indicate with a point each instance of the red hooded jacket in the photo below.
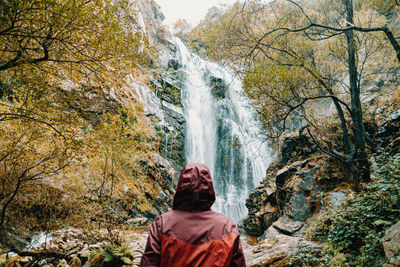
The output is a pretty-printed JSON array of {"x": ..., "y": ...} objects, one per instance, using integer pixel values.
[{"x": 191, "y": 234}]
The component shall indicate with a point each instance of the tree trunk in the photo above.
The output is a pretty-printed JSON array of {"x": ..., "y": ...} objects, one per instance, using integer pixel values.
[{"x": 360, "y": 162}]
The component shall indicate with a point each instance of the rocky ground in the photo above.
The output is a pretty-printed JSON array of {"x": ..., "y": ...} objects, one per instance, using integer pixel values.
[
  {"x": 67, "y": 249},
  {"x": 280, "y": 213}
]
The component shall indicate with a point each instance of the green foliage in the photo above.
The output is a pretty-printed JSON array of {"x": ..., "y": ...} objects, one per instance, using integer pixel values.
[
  {"x": 113, "y": 255},
  {"x": 70, "y": 152},
  {"x": 355, "y": 229}
]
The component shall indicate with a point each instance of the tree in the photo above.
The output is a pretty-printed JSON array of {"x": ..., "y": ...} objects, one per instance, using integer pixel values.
[
  {"x": 51, "y": 52},
  {"x": 81, "y": 36},
  {"x": 282, "y": 48},
  {"x": 181, "y": 28}
]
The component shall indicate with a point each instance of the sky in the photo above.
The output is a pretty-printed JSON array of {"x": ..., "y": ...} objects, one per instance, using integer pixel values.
[{"x": 191, "y": 10}]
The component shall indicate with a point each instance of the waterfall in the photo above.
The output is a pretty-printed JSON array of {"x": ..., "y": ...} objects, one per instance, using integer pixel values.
[{"x": 222, "y": 131}]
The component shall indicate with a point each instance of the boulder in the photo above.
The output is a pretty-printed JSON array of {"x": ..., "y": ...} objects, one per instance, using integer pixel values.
[
  {"x": 391, "y": 243},
  {"x": 257, "y": 199},
  {"x": 263, "y": 210},
  {"x": 298, "y": 207},
  {"x": 389, "y": 132},
  {"x": 218, "y": 87},
  {"x": 270, "y": 233},
  {"x": 284, "y": 173},
  {"x": 174, "y": 64},
  {"x": 269, "y": 215},
  {"x": 281, "y": 176},
  {"x": 298, "y": 146},
  {"x": 308, "y": 178},
  {"x": 287, "y": 225},
  {"x": 253, "y": 225}
]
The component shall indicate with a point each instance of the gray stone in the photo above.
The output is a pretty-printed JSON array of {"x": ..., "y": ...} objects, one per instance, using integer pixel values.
[
  {"x": 253, "y": 225},
  {"x": 295, "y": 166},
  {"x": 269, "y": 215},
  {"x": 395, "y": 116},
  {"x": 218, "y": 87},
  {"x": 391, "y": 243},
  {"x": 298, "y": 208},
  {"x": 174, "y": 64},
  {"x": 308, "y": 178},
  {"x": 281, "y": 176},
  {"x": 271, "y": 233},
  {"x": 137, "y": 221},
  {"x": 286, "y": 225},
  {"x": 271, "y": 191},
  {"x": 297, "y": 146},
  {"x": 389, "y": 130}
]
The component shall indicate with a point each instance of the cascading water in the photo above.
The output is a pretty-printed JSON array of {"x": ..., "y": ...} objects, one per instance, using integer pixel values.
[{"x": 222, "y": 132}]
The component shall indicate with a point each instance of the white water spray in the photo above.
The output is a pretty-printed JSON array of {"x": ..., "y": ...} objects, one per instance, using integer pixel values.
[{"x": 223, "y": 133}]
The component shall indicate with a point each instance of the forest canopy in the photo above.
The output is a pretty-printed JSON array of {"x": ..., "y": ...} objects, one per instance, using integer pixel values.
[
  {"x": 298, "y": 57},
  {"x": 73, "y": 150}
]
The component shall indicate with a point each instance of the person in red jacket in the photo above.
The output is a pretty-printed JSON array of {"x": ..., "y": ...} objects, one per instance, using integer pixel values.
[{"x": 191, "y": 234}]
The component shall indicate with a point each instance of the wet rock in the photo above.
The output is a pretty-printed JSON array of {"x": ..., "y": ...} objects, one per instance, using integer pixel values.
[
  {"x": 270, "y": 233},
  {"x": 262, "y": 210},
  {"x": 174, "y": 64},
  {"x": 218, "y": 87},
  {"x": 284, "y": 173},
  {"x": 253, "y": 225},
  {"x": 391, "y": 242},
  {"x": 308, "y": 178},
  {"x": 298, "y": 207},
  {"x": 389, "y": 132},
  {"x": 298, "y": 146},
  {"x": 272, "y": 169},
  {"x": 281, "y": 176},
  {"x": 287, "y": 225},
  {"x": 269, "y": 215},
  {"x": 96, "y": 261},
  {"x": 258, "y": 199}
]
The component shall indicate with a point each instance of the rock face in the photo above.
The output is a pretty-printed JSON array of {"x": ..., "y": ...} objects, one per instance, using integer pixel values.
[
  {"x": 298, "y": 146},
  {"x": 391, "y": 243},
  {"x": 290, "y": 191},
  {"x": 150, "y": 20},
  {"x": 388, "y": 134},
  {"x": 281, "y": 209},
  {"x": 263, "y": 211}
]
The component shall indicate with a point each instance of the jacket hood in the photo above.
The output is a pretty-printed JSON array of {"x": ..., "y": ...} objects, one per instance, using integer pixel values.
[{"x": 195, "y": 191}]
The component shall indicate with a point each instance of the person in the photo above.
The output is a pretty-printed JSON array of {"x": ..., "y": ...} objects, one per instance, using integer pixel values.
[{"x": 191, "y": 234}]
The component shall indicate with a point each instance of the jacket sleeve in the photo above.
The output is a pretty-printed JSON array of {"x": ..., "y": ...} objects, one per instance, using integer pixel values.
[
  {"x": 237, "y": 255},
  {"x": 152, "y": 253}
]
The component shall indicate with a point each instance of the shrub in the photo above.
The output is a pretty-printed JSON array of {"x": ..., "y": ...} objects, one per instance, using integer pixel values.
[
  {"x": 111, "y": 255},
  {"x": 354, "y": 230}
]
